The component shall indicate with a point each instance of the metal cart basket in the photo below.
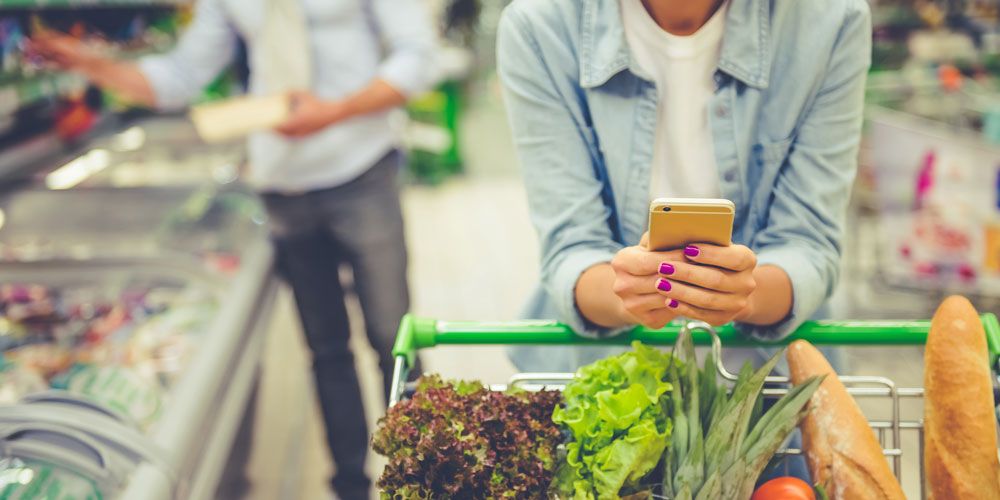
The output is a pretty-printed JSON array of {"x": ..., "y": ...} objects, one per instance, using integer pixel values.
[{"x": 419, "y": 333}]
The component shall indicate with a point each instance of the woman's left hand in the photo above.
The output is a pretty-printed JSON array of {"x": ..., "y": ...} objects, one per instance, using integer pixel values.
[{"x": 712, "y": 284}]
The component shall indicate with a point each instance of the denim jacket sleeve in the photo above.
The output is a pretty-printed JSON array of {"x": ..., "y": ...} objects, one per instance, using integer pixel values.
[
  {"x": 546, "y": 112},
  {"x": 806, "y": 219}
]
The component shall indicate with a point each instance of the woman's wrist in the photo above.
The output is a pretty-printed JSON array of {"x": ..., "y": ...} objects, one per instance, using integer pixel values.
[
  {"x": 771, "y": 301},
  {"x": 596, "y": 302}
]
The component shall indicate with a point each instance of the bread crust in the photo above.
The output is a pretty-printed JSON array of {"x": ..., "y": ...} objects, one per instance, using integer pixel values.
[
  {"x": 960, "y": 439},
  {"x": 842, "y": 452}
]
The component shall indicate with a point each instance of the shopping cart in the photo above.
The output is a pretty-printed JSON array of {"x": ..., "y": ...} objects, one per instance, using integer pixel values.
[{"x": 420, "y": 333}]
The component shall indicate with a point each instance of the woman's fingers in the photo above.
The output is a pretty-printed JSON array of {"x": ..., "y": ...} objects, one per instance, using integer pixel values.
[
  {"x": 638, "y": 261},
  {"x": 627, "y": 284},
  {"x": 654, "y": 318},
  {"x": 639, "y": 304},
  {"x": 714, "y": 318},
  {"x": 733, "y": 257},
  {"x": 700, "y": 297},
  {"x": 648, "y": 310},
  {"x": 709, "y": 277}
]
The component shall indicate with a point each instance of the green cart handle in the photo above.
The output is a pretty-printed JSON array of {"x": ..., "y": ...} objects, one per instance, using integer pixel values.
[{"x": 422, "y": 333}]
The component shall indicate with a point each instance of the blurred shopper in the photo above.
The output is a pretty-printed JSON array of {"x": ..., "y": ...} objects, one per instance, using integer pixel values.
[
  {"x": 615, "y": 102},
  {"x": 328, "y": 175}
]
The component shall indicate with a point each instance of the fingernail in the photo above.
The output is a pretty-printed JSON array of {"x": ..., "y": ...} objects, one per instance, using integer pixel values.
[
  {"x": 666, "y": 269},
  {"x": 663, "y": 285},
  {"x": 673, "y": 303},
  {"x": 692, "y": 251}
]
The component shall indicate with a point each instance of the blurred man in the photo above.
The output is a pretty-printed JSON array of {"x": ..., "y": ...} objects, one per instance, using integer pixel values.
[{"x": 328, "y": 174}]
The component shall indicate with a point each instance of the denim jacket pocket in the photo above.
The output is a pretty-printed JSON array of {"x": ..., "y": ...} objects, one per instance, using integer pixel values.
[
  {"x": 766, "y": 163},
  {"x": 775, "y": 152}
]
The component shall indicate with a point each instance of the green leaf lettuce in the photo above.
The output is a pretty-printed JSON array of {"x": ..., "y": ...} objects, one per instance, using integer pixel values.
[{"x": 618, "y": 425}]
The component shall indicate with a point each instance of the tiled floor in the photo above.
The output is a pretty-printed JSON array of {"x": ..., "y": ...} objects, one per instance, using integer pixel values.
[{"x": 474, "y": 256}]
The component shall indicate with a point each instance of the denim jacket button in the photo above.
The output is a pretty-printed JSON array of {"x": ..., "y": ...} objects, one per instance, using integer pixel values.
[
  {"x": 721, "y": 112},
  {"x": 729, "y": 176}
]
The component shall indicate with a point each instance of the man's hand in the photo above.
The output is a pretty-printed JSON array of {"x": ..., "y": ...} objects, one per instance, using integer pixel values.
[
  {"x": 310, "y": 114},
  {"x": 70, "y": 54},
  {"x": 64, "y": 51},
  {"x": 710, "y": 283}
]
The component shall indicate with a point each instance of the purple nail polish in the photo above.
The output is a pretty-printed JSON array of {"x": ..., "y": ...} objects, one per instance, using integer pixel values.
[
  {"x": 692, "y": 251},
  {"x": 666, "y": 269},
  {"x": 663, "y": 285},
  {"x": 673, "y": 303}
]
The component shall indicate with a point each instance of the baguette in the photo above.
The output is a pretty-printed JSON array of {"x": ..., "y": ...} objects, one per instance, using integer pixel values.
[
  {"x": 960, "y": 439},
  {"x": 841, "y": 449}
]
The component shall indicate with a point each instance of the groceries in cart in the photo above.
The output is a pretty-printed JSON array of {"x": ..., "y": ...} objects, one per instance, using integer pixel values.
[
  {"x": 960, "y": 419},
  {"x": 658, "y": 424},
  {"x": 121, "y": 349},
  {"x": 844, "y": 456},
  {"x": 460, "y": 440},
  {"x": 642, "y": 421}
]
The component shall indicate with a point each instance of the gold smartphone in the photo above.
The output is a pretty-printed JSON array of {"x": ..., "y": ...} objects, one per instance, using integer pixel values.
[{"x": 678, "y": 222}]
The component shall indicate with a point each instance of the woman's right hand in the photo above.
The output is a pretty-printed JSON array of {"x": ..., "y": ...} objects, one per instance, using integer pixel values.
[{"x": 636, "y": 272}]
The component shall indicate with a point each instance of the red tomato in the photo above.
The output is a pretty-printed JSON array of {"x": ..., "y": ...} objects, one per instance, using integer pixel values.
[{"x": 784, "y": 488}]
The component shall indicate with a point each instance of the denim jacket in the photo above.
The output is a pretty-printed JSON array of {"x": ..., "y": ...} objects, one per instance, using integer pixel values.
[{"x": 785, "y": 119}]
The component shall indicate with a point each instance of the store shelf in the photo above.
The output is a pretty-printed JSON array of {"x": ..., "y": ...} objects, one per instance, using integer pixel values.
[
  {"x": 124, "y": 230},
  {"x": 16, "y": 94},
  {"x": 47, "y": 4}
]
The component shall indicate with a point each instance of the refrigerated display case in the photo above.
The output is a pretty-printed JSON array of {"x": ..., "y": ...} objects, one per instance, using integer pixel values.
[{"x": 138, "y": 284}]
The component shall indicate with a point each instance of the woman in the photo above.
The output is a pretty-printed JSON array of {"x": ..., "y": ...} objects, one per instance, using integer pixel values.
[{"x": 615, "y": 102}]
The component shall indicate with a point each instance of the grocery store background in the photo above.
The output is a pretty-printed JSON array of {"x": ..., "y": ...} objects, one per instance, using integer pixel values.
[{"x": 98, "y": 200}]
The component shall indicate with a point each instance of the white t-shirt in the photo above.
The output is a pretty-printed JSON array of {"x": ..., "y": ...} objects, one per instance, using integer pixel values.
[{"x": 683, "y": 68}]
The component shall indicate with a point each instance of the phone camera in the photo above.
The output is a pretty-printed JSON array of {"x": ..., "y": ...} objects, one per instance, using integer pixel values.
[{"x": 665, "y": 209}]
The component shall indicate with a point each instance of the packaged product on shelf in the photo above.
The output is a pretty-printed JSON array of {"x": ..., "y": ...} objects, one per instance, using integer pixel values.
[
  {"x": 16, "y": 380},
  {"x": 26, "y": 478},
  {"x": 122, "y": 389},
  {"x": 121, "y": 349}
]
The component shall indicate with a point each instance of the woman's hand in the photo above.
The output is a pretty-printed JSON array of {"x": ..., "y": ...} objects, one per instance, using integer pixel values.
[
  {"x": 709, "y": 283},
  {"x": 635, "y": 282}
]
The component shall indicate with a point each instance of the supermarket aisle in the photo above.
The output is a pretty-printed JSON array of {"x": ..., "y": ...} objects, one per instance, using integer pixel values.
[{"x": 473, "y": 256}]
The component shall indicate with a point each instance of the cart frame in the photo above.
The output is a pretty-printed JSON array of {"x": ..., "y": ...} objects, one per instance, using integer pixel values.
[{"x": 422, "y": 333}]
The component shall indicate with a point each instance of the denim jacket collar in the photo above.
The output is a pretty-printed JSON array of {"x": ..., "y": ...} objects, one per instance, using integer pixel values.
[{"x": 745, "y": 55}]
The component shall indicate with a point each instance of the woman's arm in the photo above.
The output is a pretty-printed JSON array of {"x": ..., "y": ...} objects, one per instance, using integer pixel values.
[
  {"x": 807, "y": 216},
  {"x": 542, "y": 96}
]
